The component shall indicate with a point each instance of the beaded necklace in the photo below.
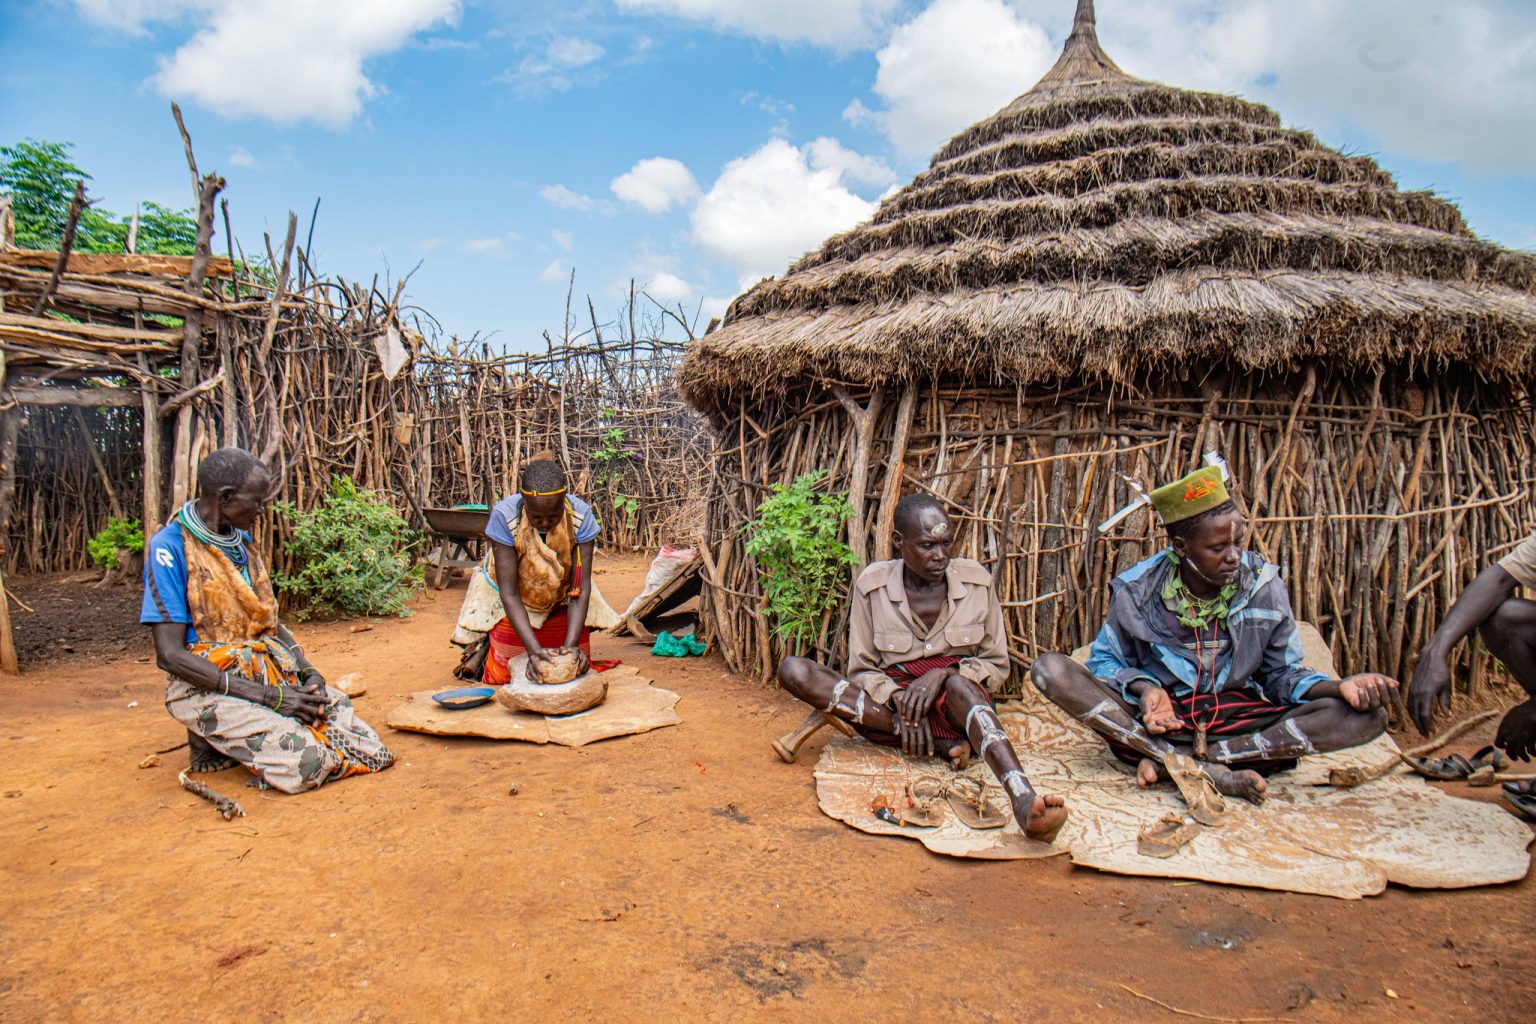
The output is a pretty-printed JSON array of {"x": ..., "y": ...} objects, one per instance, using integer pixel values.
[{"x": 231, "y": 544}]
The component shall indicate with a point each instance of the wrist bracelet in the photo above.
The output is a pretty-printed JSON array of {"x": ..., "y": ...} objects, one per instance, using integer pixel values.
[
  {"x": 225, "y": 674},
  {"x": 279, "y": 705}
]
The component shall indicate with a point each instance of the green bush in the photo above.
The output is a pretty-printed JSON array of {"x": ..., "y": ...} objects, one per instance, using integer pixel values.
[
  {"x": 795, "y": 539},
  {"x": 117, "y": 535},
  {"x": 353, "y": 555}
]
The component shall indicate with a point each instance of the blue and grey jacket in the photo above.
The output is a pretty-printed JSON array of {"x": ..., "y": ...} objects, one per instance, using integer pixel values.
[{"x": 1262, "y": 656}]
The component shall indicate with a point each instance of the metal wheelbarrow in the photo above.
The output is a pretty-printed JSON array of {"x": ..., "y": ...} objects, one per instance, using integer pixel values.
[{"x": 459, "y": 532}]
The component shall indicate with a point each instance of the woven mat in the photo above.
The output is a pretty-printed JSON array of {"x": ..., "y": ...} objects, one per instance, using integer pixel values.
[{"x": 633, "y": 706}]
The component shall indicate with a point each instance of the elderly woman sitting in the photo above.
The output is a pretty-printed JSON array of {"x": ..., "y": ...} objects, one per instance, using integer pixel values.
[{"x": 239, "y": 682}]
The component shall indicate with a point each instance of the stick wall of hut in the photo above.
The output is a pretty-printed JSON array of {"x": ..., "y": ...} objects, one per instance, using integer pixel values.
[{"x": 1379, "y": 500}]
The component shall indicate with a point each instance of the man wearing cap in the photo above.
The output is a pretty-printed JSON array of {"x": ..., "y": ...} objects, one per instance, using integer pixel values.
[{"x": 1200, "y": 655}]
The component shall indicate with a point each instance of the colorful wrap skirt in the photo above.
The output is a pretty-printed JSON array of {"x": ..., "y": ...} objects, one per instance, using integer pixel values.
[
  {"x": 282, "y": 752},
  {"x": 506, "y": 644}
]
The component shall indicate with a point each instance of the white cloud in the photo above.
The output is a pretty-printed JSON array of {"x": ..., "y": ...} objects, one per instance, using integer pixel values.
[
  {"x": 308, "y": 58},
  {"x": 1452, "y": 83},
  {"x": 554, "y": 273},
  {"x": 957, "y": 62},
  {"x": 772, "y": 205},
  {"x": 551, "y": 70},
  {"x": 870, "y": 171},
  {"x": 567, "y": 199},
  {"x": 712, "y": 306},
  {"x": 668, "y": 289},
  {"x": 484, "y": 246},
  {"x": 241, "y": 157},
  {"x": 135, "y": 16},
  {"x": 563, "y": 239},
  {"x": 656, "y": 184},
  {"x": 837, "y": 24},
  {"x": 428, "y": 244}
]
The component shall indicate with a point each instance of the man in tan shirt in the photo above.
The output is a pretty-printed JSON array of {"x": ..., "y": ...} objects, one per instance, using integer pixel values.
[
  {"x": 1507, "y": 625},
  {"x": 926, "y": 649}
]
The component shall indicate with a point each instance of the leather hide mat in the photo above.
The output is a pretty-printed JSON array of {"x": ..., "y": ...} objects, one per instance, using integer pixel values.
[
  {"x": 1308, "y": 837},
  {"x": 633, "y": 706}
]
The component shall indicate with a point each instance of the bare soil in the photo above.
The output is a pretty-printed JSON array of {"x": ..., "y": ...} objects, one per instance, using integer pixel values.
[
  {"x": 684, "y": 874},
  {"x": 67, "y": 617}
]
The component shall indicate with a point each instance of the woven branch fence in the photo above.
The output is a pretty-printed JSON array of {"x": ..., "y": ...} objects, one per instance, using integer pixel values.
[
  {"x": 451, "y": 428},
  {"x": 1379, "y": 498}
]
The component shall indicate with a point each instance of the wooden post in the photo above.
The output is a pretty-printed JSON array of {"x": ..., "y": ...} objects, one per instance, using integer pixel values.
[
  {"x": 208, "y": 188},
  {"x": 10, "y": 431},
  {"x": 864, "y": 420}
]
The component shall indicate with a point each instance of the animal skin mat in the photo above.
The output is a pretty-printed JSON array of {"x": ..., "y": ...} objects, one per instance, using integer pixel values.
[
  {"x": 1309, "y": 837},
  {"x": 633, "y": 706}
]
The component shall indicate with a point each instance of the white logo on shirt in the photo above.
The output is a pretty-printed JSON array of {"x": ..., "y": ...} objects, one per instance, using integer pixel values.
[{"x": 163, "y": 557}]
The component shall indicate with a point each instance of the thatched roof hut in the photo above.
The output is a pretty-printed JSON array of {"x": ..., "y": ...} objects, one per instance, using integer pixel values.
[{"x": 1110, "y": 276}]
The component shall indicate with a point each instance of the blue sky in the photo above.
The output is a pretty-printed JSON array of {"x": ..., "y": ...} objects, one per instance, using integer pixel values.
[{"x": 693, "y": 145}]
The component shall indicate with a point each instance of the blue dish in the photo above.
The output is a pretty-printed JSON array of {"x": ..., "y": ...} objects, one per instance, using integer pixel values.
[{"x": 465, "y": 697}]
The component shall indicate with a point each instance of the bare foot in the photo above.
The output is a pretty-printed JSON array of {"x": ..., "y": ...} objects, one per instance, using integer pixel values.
[
  {"x": 959, "y": 755},
  {"x": 1046, "y": 817},
  {"x": 1241, "y": 783},
  {"x": 202, "y": 757},
  {"x": 1150, "y": 772}
]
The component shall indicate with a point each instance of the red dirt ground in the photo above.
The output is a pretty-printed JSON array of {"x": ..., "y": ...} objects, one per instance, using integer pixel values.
[{"x": 683, "y": 875}]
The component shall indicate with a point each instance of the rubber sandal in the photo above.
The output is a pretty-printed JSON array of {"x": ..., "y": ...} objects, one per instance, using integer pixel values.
[
  {"x": 968, "y": 799},
  {"x": 1441, "y": 769},
  {"x": 1490, "y": 757},
  {"x": 1523, "y": 788},
  {"x": 1523, "y": 803},
  {"x": 1166, "y": 836},
  {"x": 465, "y": 697},
  {"x": 1205, "y": 804}
]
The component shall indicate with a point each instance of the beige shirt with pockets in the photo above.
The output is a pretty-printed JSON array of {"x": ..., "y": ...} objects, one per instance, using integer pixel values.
[
  {"x": 1521, "y": 562},
  {"x": 883, "y": 632}
]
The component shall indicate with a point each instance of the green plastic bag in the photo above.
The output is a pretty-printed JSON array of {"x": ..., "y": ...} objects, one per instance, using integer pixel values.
[{"x": 669, "y": 646}]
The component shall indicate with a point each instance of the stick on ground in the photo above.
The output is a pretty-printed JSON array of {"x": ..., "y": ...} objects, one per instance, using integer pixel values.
[{"x": 223, "y": 804}]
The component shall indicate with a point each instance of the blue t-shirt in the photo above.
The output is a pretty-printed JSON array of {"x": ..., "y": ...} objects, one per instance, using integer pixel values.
[
  {"x": 503, "y": 525},
  {"x": 165, "y": 579}
]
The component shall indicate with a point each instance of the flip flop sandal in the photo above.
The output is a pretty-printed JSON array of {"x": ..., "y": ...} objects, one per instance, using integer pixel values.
[
  {"x": 1490, "y": 757},
  {"x": 1205, "y": 804},
  {"x": 465, "y": 697},
  {"x": 1442, "y": 769},
  {"x": 1521, "y": 788},
  {"x": 1166, "y": 836},
  {"x": 1524, "y": 803},
  {"x": 968, "y": 799}
]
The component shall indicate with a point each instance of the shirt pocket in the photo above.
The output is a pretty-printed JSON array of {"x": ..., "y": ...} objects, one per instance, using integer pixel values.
[
  {"x": 893, "y": 641},
  {"x": 964, "y": 634}
]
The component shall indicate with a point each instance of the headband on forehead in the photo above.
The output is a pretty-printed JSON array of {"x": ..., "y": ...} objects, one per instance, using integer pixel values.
[{"x": 543, "y": 494}]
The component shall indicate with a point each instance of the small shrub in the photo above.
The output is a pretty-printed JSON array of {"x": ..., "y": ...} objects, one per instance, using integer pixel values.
[
  {"x": 795, "y": 539},
  {"x": 353, "y": 555},
  {"x": 118, "y": 535}
]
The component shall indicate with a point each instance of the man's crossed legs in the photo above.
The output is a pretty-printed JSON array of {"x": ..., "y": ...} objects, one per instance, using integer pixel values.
[
  {"x": 967, "y": 708},
  {"x": 1315, "y": 727}
]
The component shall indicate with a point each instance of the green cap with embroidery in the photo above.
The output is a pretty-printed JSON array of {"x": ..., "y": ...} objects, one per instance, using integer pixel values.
[{"x": 1183, "y": 499}]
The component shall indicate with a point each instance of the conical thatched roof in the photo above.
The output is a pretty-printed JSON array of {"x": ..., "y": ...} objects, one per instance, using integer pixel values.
[{"x": 1104, "y": 225}]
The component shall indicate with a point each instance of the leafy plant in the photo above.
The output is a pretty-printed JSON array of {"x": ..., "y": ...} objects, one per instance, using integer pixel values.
[
  {"x": 40, "y": 178},
  {"x": 630, "y": 507},
  {"x": 118, "y": 535},
  {"x": 796, "y": 541},
  {"x": 354, "y": 555}
]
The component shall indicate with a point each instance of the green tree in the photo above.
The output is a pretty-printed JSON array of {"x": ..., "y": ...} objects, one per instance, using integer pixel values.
[{"x": 40, "y": 179}]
